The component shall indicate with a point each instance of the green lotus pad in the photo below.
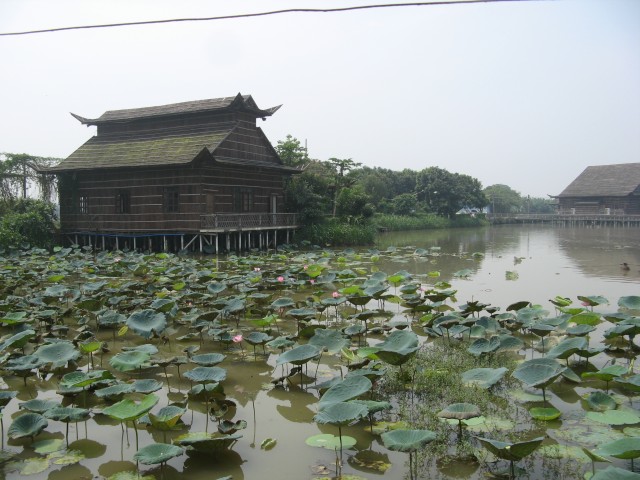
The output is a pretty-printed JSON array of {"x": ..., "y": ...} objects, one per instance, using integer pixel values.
[{"x": 330, "y": 442}]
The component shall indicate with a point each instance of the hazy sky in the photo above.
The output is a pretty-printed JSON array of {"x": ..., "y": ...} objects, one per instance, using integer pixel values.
[{"x": 526, "y": 94}]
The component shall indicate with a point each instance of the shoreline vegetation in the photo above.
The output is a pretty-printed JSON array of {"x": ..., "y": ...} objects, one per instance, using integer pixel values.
[{"x": 362, "y": 232}]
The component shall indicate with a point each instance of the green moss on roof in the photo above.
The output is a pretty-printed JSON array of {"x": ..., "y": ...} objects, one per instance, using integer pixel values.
[{"x": 99, "y": 152}]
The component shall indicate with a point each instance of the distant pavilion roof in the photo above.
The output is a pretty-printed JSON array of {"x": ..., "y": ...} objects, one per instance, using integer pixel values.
[
  {"x": 617, "y": 180},
  {"x": 239, "y": 102}
]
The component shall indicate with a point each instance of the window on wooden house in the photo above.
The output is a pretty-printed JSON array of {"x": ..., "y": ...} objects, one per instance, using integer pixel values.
[
  {"x": 171, "y": 200},
  {"x": 83, "y": 205},
  {"x": 123, "y": 201},
  {"x": 243, "y": 200}
]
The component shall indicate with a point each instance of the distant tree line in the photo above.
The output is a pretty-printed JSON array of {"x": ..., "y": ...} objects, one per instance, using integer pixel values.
[{"x": 346, "y": 189}]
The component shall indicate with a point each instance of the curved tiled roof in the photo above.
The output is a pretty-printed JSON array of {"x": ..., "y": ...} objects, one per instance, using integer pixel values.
[{"x": 239, "y": 102}]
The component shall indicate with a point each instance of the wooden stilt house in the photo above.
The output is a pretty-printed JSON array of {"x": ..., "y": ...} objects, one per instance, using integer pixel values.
[
  {"x": 196, "y": 175},
  {"x": 603, "y": 190}
]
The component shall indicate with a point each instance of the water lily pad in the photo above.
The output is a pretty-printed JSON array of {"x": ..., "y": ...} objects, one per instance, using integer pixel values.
[
  {"x": 614, "y": 417},
  {"x": 545, "y": 413},
  {"x": 268, "y": 444},
  {"x": 615, "y": 473},
  {"x": 48, "y": 445},
  {"x": 625, "y": 448},
  {"x": 157, "y": 453},
  {"x": 600, "y": 401},
  {"x": 330, "y": 442}
]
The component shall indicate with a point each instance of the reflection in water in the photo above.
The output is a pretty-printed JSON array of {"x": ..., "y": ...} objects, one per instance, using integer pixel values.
[{"x": 543, "y": 261}]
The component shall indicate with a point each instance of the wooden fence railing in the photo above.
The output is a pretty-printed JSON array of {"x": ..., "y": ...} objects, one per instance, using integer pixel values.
[{"x": 247, "y": 221}]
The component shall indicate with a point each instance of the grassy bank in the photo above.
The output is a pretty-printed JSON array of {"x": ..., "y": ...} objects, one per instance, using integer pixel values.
[{"x": 424, "y": 221}]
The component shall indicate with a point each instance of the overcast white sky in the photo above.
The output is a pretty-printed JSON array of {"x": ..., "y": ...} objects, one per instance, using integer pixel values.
[{"x": 525, "y": 94}]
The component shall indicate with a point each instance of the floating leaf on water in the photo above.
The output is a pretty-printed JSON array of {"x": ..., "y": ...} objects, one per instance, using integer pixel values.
[
  {"x": 48, "y": 445},
  {"x": 615, "y": 473},
  {"x": 545, "y": 413},
  {"x": 34, "y": 465},
  {"x": 614, "y": 417},
  {"x": 69, "y": 457},
  {"x": 625, "y": 448},
  {"x": 600, "y": 401},
  {"x": 268, "y": 444},
  {"x": 330, "y": 442}
]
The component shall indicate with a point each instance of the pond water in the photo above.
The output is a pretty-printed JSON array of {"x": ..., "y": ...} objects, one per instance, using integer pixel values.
[{"x": 516, "y": 263}]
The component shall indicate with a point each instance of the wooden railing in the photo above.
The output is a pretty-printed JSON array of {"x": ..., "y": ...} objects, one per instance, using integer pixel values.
[
  {"x": 247, "y": 221},
  {"x": 564, "y": 218}
]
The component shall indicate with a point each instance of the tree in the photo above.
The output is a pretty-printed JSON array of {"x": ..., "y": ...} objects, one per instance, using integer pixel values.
[
  {"x": 292, "y": 152},
  {"x": 341, "y": 167},
  {"x": 353, "y": 202},
  {"x": 404, "y": 204},
  {"x": 444, "y": 193},
  {"x": 20, "y": 172},
  {"x": 26, "y": 221},
  {"x": 503, "y": 199},
  {"x": 306, "y": 193}
]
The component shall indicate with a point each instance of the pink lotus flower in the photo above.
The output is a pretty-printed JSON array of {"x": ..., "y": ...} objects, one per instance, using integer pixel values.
[
  {"x": 305, "y": 267},
  {"x": 281, "y": 279},
  {"x": 237, "y": 339},
  {"x": 312, "y": 281},
  {"x": 335, "y": 294},
  {"x": 256, "y": 269}
]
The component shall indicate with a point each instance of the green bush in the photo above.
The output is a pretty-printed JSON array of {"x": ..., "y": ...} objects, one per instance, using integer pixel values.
[
  {"x": 26, "y": 221},
  {"x": 336, "y": 233},
  {"x": 424, "y": 221}
]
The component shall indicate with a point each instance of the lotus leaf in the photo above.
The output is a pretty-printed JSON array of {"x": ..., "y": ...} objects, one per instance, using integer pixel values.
[
  {"x": 631, "y": 383},
  {"x": 607, "y": 373},
  {"x": 38, "y": 405},
  {"x": 625, "y": 448},
  {"x": 407, "y": 440},
  {"x": 615, "y": 473},
  {"x": 206, "y": 374},
  {"x": 167, "y": 417},
  {"x": 83, "y": 379},
  {"x": 128, "y": 361},
  {"x": 567, "y": 347},
  {"x": 631, "y": 302},
  {"x": 330, "y": 442},
  {"x": 67, "y": 414},
  {"x": 484, "y": 377},
  {"x": 283, "y": 302},
  {"x": 24, "y": 363},
  {"x": 511, "y": 451},
  {"x": 6, "y": 396},
  {"x": 145, "y": 322},
  {"x": 399, "y": 347},
  {"x": 207, "y": 442},
  {"x": 459, "y": 411},
  {"x": 545, "y": 414},
  {"x": 257, "y": 338},
  {"x": 601, "y": 401},
  {"x": 538, "y": 373},
  {"x": 207, "y": 359},
  {"x": 299, "y": 355},
  {"x": 157, "y": 453},
  {"x": 114, "y": 391},
  {"x": 347, "y": 389},
  {"x": 280, "y": 343},
  {"x": 18, "y": 340},
  {"x": 27, "y": 425},
  {"x": 146, "y": 385},
  {"x": 126, "y": 410},
  {"x": 614, "y": 417},
  {"x": 482, "y": 345},
  {"x": 340, "y": 413},
  {"x": 57, "y": 354},
  {"x": 331, "y": 340}
]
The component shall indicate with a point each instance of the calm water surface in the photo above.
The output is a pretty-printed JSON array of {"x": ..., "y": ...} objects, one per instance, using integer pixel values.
[{"x": 544, "y": 262}]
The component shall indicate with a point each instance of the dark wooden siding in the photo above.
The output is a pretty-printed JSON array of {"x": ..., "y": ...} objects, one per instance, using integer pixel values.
[
  {"x": 201, "y": 186},
  {"x": 629, "y": 205}
]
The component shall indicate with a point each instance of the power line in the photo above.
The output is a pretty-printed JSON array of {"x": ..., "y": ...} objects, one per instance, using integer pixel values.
[{"x": 258, "y": 14}]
